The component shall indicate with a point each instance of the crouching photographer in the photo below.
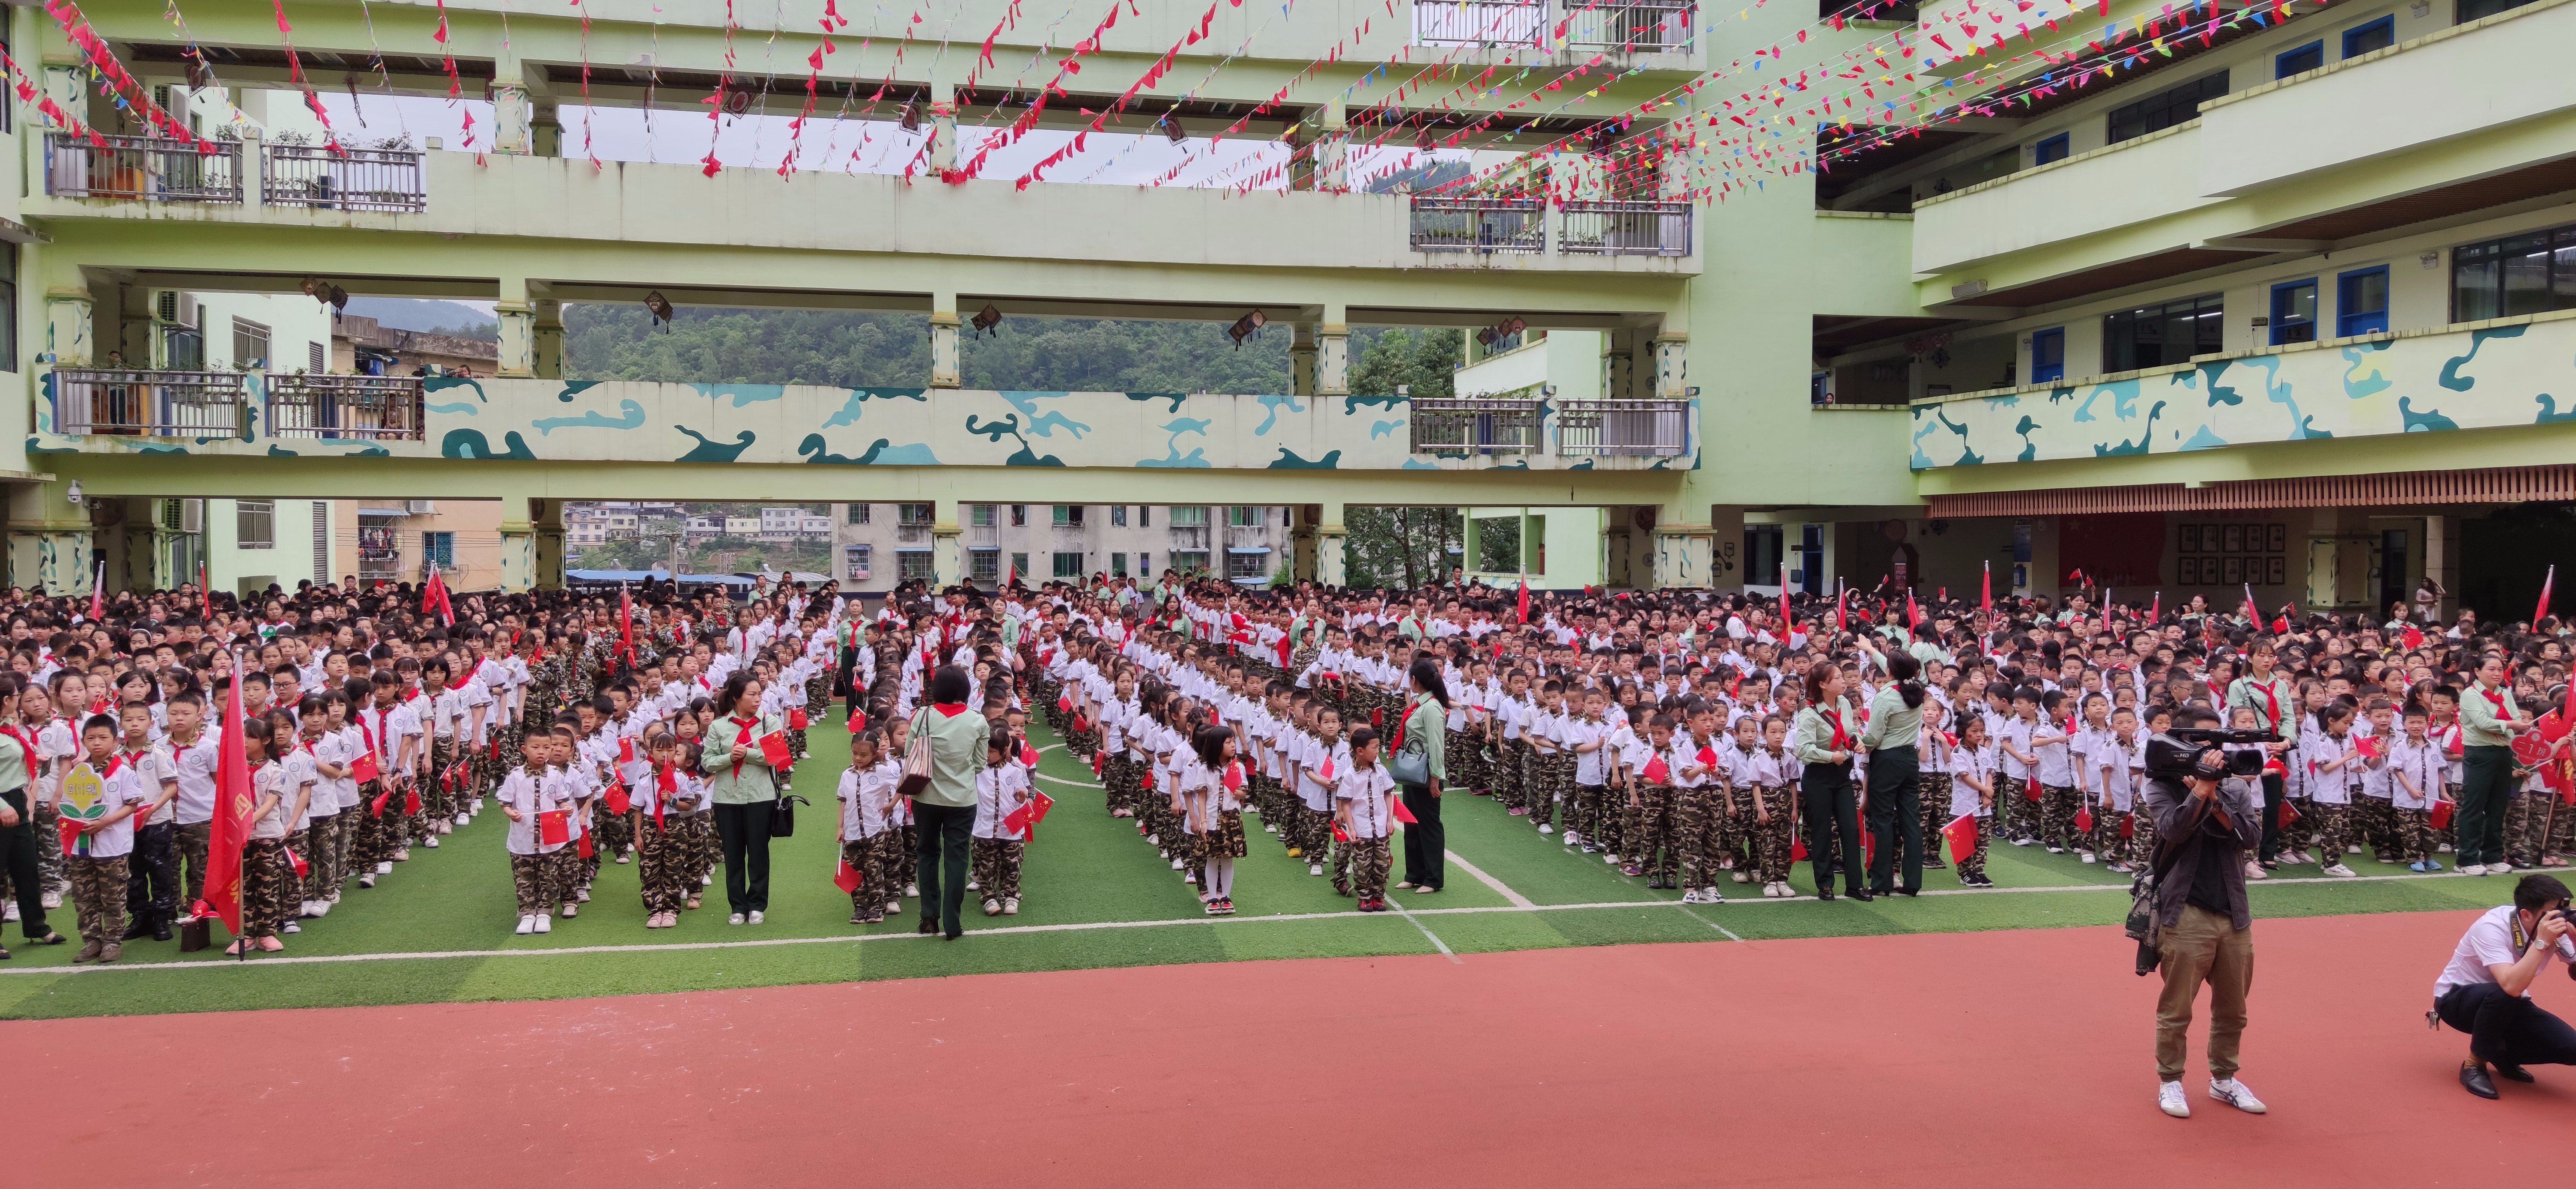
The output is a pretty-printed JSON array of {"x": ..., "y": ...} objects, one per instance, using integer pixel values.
[
  {"x": 2192, "y": 902},
  {"x": 2486, "y": 990}
]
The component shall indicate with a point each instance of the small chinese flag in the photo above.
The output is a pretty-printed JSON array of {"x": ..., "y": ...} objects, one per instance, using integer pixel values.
[
  {"x": 846, "y": 878},
  {"x": 796, "y": 720},
  {"x": 773, "y": 748},
  {"x": 1962, "y": 833},
  {"x": 2289, "y": 813},
  {"x": 2441, "y": 816},
  {"x": 1657, "y": 772},
  {"x": 2084, "y": 819}
]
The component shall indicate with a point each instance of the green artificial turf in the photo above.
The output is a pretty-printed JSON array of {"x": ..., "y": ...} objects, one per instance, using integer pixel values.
[{"x": 1094, "y": 895}]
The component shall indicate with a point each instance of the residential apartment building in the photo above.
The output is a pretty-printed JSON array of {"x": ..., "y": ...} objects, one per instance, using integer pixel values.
[
  {"x": 876, "y": 546},
  {"x": 401, "y": 541}
]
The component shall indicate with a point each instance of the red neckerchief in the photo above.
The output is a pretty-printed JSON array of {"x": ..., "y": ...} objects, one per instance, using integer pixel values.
[
  {"x": 408, "y": 694},
  {"x": 1842, "y": 738},
  {"x": 115, "y": 764},
  {"x": 666, "y": 784},
  {"x": 2494, "y": 697},
  {"x": 949, "y": 709},
  {"x": 746, "y": 724}
]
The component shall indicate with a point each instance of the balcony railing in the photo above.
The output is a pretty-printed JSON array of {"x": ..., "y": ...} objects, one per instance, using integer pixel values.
[
  {"x": 142, "y": 169},
  {"x": 1189, "y": 537},
  {"x": 1630, "y": 26},
  {"x": 1481, "y": 425},
  {"x": 1625, "y": 228},
  {"x": 158, "y": 404},
  {"x": 912, "y": 533},
  {"x": 349, "y": 180},
  {"x": 1247, "y": 536},
  {"x": 1478, "y": 22},
  {"x": 1478, "y": 225},
  {"x": 384, "y": 408},
  {"x": 1622, "y": 427},
  {"x": 983, "y": 536}
]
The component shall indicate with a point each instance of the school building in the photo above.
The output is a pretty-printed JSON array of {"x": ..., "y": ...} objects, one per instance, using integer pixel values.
[{"x": 2186, "y": 298}]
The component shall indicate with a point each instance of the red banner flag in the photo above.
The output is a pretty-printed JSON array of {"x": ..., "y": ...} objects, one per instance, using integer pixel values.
[
  {"x": 626, "y": 624},
  {"x": 2542, "y": 611},
  {"x": 1986, "y": 589},
  {"x": 1913, "y": 614},
  {"x": 98, "y": 595},
  {"x": 230, "y": 830},
  {"x": 1524, "y": 600},
  {"x": 847, "y": 878},
  {"x": 1962, "y": 833}
]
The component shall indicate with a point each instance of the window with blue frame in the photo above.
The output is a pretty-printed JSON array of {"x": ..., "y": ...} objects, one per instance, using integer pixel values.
[
  {"x": 2299, "y": 61},
  {"x": 2361, "y": 302},
  {"x": 2048, "y": 355},
  {"x": 2051, "y": 149},
  {"x": 2374, "y": 35},
  {"x": 2294, "y": 312}
]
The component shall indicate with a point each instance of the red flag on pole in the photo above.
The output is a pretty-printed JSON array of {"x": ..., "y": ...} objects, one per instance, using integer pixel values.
[
  {"x": 626, "y": 623},
  {"x": 230, "y": 830},
  {"x": 1962, "y": 833},
  {"x": 205, "y": 594},
  {"x": 2106, "y": 611},
  {"x": 846, "y": 878},
  {"x": 1986, "y": 589},
  {"x": 98, "y": 595},
  {"x": 1011, "y": 577},
  {"x": 2542, "y": 612},
  {"x": 1524, "y": 601},
  {"x": 1839, "y": 595},
  {"x": 2253, "y": 614},
  {"x": 1913, "y": 614},
  {"x": 2156, "y": 609}
]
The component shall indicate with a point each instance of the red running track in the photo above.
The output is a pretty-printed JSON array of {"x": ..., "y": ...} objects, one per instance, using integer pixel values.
[{"x": 1980, "y": 1059}]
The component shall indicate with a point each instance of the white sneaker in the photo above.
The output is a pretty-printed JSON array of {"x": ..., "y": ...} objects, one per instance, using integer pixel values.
[
  {"x": 582, "y": 893},
  {"x": 2057, "y": 850},
  {"x": 464, "y": 819},
  {"x": 1269, "y": 829},
  {"x": 735, "y": 919},
  {"x": 2352, "y": 848},
  {"x": 51, "y": 899},
  {"x": 2339, "y": 871},
  {"x": 1741, "y": 877},
  {"x": 1612, "y": 860},
  {"x": 2234, "y": 1093},
  {"x": 527, "y": 925},
  {"x": 368, "y": 880},
  {"x": 402, "y": 854},
  {"x": 2023, "y": 841},
  {"x": 972, "y": 886},
  {"x": 1314, "y": 869},
  {"x": 9, "y": 912},
  {"x": 911, "y": 890},
  {"x": 290, "y": 927},
  {"x": 1690, "y": 895},
  {"x": 2171, "y": 1100},
  {"x": 2474, "y": 869},
  {"x": 2084, "y": 855},
  {"x": 708, "y": 880},
  {"x": 1010, "y": 906},
  {"x": 571, "y": 910},
  {"x": 431, "y": 842},
  {"x": 1573, "y": 839},
  {"x": 385, "y": 868},
  {"x": 1711, "y": 896},
  {"x": 1545, "y": 828},
  {"x": 894, "y": 906},
  {"x": 304, "y": 909},
  {"x": 1178, "y": 864},
  {"x": 1153, "y": 840},
  {"x": 1780, "y": 890},
  {"x": 322, "y": 908},
  {"x": 545, "y": 924},
  {"x": 755, "y": 916},
  {"x": 621, "y": 858}
]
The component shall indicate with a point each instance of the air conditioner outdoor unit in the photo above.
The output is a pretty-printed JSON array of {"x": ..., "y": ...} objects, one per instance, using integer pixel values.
[
  {"x": 178, "y": 308},
  {"x": 420, "y": 507}
]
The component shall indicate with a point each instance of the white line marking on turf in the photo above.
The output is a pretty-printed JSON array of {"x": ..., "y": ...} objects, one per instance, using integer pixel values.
[
  {"x": 1085, "y": 926},
  {"x": 1442, "y": 946},
  {"x": 1518, "y": 900}
]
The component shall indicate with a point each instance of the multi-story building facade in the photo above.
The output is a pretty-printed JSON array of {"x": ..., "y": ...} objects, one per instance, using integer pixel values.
[
  {"x": 876, "y": 546},
  {"x": 2186, "y": 298}
]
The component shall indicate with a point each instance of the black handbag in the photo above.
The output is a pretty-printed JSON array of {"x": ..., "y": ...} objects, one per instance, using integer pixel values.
[{"x": 782, "y": 815}]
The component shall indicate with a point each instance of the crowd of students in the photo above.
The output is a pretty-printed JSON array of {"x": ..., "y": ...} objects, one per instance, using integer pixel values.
[{"x": 1698, "y": 741}]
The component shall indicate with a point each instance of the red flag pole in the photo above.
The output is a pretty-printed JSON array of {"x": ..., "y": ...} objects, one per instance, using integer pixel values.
[
  {"x": 1986, "y": 589},
  {"x": 98, "y": 595},
  {"x": 2542, "y": 611}
]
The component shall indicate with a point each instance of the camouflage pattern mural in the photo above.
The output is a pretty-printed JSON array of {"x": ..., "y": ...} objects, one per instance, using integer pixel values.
[
  {"x": 643, "y": 421},
  {"x": 2481, "y": 376}
]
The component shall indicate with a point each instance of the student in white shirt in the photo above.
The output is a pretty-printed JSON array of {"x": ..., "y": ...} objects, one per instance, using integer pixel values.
[
  {"x": 96, "y": 864},
  {"x": 266, "y": 876},
  {"x": 530, "y": 795},
  {"x": 1364, "y": 812},
  {"x": 868, "y": 835},
  {"x": 1001, "y": 789},
  {"x": 1972, "y": 795},
  {"x": 2415, "y": 770}
]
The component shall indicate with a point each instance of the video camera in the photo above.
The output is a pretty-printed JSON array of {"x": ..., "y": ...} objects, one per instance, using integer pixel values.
[{"x": 2176, "y": 754}]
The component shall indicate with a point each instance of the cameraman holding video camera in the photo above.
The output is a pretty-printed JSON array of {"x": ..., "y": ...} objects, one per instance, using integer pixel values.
[
  {"x": 2207, "y": 816},
  {"x": 2486, "y": 990}
]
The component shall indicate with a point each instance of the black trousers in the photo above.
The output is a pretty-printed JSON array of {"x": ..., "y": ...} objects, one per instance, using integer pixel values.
[
  {"x": 1832, "y": 812},
  {"x": 2507, "y": 1029},
  {"x": 1426, "y": 842},
  {"x": 939, "y": 862},
  {"x": 2273, "y": 794},
  {"x": 2486, "y": 789},
  {"x": 152, "y": 877},
  {"x": 1895, "y": 816},
  {"x": 18, "y": 855},
  {"x": 745, "y": 831}
]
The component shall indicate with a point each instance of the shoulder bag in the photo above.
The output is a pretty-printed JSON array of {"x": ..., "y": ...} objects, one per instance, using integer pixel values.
[{"x": 916, "y": 760}]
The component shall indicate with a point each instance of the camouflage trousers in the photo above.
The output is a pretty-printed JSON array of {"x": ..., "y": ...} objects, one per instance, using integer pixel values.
[
  {"x": 1935, "y": 794},
  {"x": 2301, "y": 833},
  {"x": 1119, "y": 779},
  {"x": 661, "y": 874},
  {"x": 2105, "y": 841},
  {"x": 322, "y": 871},
  {"x": 883, "y": 869},
  {"x": 1510, "y": 773},
  {"x": 1314, "y": 832},
  {"x": 2016, "y": 815},
  {"x": 45, "y": 821},
  {"x": 2333, "y": 826},
  {"x": 997, "y": 867},
  {"x": 1465, "y": 754},
  {"x": 2375, "y": 826},
  {"x": 267, "y": 884},
  {"x": 1587, "y": 816},
  {"x": 98, "y": 893},
  {"x": 541, "y": 881},
  {"x": 2057, "y": 806},
  {"x": 616, "y": 831},
  {"x": 2536, "y": 826},
  {"x": 1651, "y": 839},
  {"x": 1696, "y": 813},
  {"x": 705, "y": 849},
  {"x": 1766, "y": 830},
  {"x": 2414, "y": 828},
  {"x": 1370, "y": 860},
  {"x": 1972, "y": 866},
  {"x": 193, "y": 840}
]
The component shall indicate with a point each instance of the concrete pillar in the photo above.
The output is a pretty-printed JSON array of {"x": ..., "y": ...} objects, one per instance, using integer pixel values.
[
  {"x": 2339, "y": 556},
  {"x": 546, "y": 331},
  {"x": 943, "y": 341},
  {"x": 1302, "y": 367},
  {"x": 943, "y": 131},
  {"x": 1333, "y": 356},
  {"x": 1672, "y": 365},
  {"x": 546, "y": 518},
  {"x": 1333, "y": 149},
  {"x": 1618, "y": 364},
  {"x": 2035, "y": 559},
  {"x": 948, "y": 545},
  {"x": 545, "y": 129},
  {"x": 1469, "y": 556},
  {"x": 1328, "y": 547},
  {"x": 142, "y": 548},
  {"x": 1726, "y": 558},
  {"x": 510, "y": 116},
  {"x": 71, "y": 332},
  {"x": 532, "y": 543},
  {"x": 1302, "y": 541},
  {"x": 1682, "y": 551},
  {"x": 1641, "y": 366},
  {"x": 518, "y": 352},
  {"x": 2442, "y": 560},
  {"x": 49, "y": 539}
]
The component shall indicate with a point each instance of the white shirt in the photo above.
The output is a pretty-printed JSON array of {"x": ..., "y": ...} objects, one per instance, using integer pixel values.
[{"x": 2489, "y": 942}]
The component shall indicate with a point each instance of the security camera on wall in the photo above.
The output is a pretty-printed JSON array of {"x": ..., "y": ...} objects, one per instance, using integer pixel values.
[{"x": 74, "y": 495}]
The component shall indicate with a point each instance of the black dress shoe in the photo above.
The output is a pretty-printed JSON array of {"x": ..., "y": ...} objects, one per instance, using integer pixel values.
[
  {"x": 1826, "y": 894},
  {"x": 160, "y": 930},
  {"x": 2512, "y": 1073},
  {"x": 1863, "y": 894},
  {"x": 1907, "y": 892},
  {"x": 137, "y": 929},
  {"x": 928, "y": 925},
  {"x": 2474, "y": 1076}
]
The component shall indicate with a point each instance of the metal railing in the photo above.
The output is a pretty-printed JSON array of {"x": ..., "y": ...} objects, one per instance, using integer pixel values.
[
  {"x": 384, "y": 408},
  {"x": 1608, "y": 228},
  {"x": 983, "y": 536},
  {"x": 1651, "y": 427},
  {"x": 1478, "y": 225},
  {"x": 1478, "y": 22},
  {"x": 1630, "y": 26},
  {"x": 912, "y": 533},
  {"x": 1481, "y": 425},
  {"x": 142, "y": 169},
  {"x": 141, "y": 403},
  {"x": 349, "y": 180}
]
